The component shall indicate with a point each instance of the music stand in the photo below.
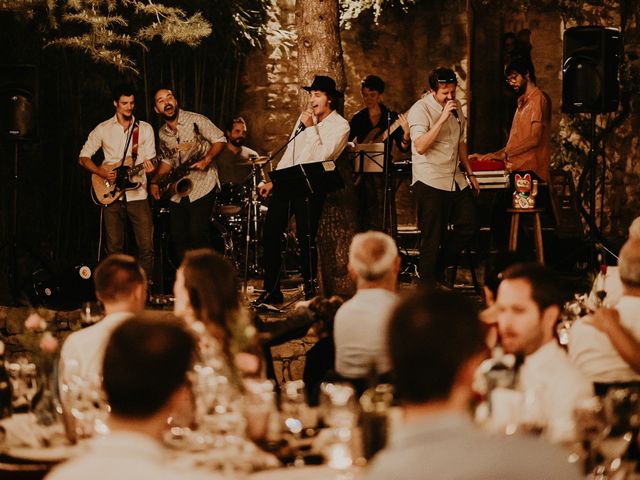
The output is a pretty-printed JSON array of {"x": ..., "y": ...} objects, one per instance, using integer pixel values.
[
  {"x": 303, "y": 180},
  {"x": 369, "y": 158},
  {"x": 306, "y": 179}
]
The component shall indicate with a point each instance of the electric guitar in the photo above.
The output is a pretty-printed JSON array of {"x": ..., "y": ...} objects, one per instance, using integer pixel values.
[
  {"x": 105, "y": 192},
  {"x": 381, "y": 134}
]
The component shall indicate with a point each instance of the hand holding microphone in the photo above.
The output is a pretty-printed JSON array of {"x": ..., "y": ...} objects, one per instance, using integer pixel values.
[
  {"x": 452, "y": 107},
  {"x": 306, "y": 120}
]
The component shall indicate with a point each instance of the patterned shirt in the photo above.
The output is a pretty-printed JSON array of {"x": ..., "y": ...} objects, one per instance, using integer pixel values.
[{"x": 176, "y": 147}]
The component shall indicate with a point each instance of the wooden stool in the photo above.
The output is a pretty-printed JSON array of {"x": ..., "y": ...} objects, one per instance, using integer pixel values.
[{"x": 515, "y": 222}]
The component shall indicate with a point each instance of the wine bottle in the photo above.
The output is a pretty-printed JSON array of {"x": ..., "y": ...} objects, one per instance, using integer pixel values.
[{"x": 601, "y": 288}]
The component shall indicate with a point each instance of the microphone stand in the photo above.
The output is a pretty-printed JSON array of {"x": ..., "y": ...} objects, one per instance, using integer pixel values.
[
  {"x": 388, "y": 215},
  {"x": 271, "y": 156}
]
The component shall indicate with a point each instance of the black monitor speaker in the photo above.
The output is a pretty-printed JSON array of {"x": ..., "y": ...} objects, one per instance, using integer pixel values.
[
  {"x": 18, "y": 100},
  {"x": 590, "y": 69}
]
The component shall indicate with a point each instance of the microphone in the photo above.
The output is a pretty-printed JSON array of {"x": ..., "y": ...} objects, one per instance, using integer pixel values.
[
  {"x": 301, "y": 126},
  {"x": 455, "y": 115}
]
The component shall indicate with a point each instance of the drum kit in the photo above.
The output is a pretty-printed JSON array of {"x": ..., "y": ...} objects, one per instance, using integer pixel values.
[{"x": 238, "y": 215}]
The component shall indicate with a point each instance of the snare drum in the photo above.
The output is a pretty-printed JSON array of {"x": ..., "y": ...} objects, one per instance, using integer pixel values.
[{"x": 231, "y": 200}]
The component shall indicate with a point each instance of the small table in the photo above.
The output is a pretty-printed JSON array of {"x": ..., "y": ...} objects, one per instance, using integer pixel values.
[{"x": 515, "y": 222}]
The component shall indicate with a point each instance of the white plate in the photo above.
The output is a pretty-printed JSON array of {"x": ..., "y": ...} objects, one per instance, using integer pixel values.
[{"x": 51, "y": 454}]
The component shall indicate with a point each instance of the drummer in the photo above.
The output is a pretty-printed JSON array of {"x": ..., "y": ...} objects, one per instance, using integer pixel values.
[{"x": 234, "y": 164}]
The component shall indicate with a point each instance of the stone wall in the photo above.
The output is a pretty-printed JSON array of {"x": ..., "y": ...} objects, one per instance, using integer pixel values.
[{"x": 401, "y": 49}]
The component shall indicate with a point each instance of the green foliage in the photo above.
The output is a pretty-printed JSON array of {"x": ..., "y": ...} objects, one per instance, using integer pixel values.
[
  {"x": 106, "y": 29},
  {"x": 113, "y": 31}
]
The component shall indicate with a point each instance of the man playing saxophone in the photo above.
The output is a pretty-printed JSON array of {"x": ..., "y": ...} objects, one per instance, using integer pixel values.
[{"x": 189, "y": 143}]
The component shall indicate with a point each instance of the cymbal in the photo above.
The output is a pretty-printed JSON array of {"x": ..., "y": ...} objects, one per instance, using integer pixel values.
[{"x": 258, "y": 161}]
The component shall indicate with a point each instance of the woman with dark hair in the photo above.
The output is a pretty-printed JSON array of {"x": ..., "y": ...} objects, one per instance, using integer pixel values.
[{"x": 207, "y": 298}]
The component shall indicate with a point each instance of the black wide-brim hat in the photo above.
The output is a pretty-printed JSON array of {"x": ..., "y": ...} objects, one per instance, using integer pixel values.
[{"x": 324, "y": 84}]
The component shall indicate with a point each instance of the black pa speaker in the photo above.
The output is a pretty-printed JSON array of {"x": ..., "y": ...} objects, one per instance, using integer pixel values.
[
  {"x": 590, "y": 69},
  {"x": 18, "y": 100}
]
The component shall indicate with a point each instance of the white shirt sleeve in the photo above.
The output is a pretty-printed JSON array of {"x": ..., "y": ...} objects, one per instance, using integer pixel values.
[
  {"x": 328, "y": 144},
  {"x": 419, "y": 123},
  {"x": 146, "y": 143},
  {"x": 93, "y": 143}
]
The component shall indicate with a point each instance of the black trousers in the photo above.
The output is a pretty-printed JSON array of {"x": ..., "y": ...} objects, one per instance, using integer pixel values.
[
  {"x": 440, "y": 247},
  {"x": 190, "y": 226},
  {"x": 307, "y": 212}
]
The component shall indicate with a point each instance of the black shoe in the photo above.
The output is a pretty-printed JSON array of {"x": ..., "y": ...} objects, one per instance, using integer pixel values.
[
  {"x": 310, "y": 293},
  {"x": 448, "y": 278},
  {"x": 269, "y": 298}
]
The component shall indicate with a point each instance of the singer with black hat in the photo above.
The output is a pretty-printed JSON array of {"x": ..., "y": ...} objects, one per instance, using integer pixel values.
[
  {"x": 320, "y": 134},
  {"x": 443, "y": 183}
]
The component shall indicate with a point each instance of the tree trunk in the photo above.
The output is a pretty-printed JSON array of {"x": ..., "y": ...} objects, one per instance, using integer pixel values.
[{"x": 320, "y": 53}]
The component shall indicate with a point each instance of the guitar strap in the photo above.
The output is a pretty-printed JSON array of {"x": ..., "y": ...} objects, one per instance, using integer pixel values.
[
  {"x": 134, "y": 146},
  {"x": 126, "y": 145}
]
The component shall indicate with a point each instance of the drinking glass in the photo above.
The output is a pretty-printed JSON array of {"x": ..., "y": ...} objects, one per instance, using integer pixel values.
[
  {"x": 23, "y": 376},
  {"x": 293, "y": 404},
  {"x": 259, "y": 404},
  {"x": 337, "y": 404},
  {"x": 531, "y": 416}
]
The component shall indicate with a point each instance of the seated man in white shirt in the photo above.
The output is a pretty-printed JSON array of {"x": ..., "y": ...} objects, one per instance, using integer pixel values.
[
  {"x": 610, "y": 281},
  {"x": 529, "y": 299},
  {"x": 600, "y": 355},
  {"x": 145, "y": 379},
  {"x": 360, "y": 325},
  {"x": 436, "y": 342},
  {"x": 121, "y": 286}
]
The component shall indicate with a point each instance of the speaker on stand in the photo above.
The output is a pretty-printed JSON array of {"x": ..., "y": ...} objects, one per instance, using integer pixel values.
[
  {"x": 18, "y": 100},
  {"x": 591, "y": 55}
]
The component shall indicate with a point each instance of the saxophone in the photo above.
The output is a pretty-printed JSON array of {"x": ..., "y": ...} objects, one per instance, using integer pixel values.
[{"x": 176, "y": 182}]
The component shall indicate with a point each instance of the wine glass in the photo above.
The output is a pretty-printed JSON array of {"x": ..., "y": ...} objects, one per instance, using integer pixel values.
[
  {"x": 615, "y": 439},
  {"x": 29, "y": 374},
  {"x": 590, "y": 422},
  {"x": 531, "y": 416},
  {"x": 293, "y": 405}
]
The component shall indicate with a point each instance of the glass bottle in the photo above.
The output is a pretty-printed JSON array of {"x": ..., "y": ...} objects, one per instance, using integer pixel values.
[{"x": 375, "y": 403}]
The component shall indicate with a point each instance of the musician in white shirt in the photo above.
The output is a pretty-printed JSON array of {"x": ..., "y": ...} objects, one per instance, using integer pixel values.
[
  {"x": 123, "y": 132},
  {"x": 321, "y": 135}
]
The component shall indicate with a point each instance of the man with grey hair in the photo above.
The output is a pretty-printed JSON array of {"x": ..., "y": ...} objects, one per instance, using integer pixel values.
[
  {"x": 606, "y": 345},
  {"x": 360, "y": 325}
]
